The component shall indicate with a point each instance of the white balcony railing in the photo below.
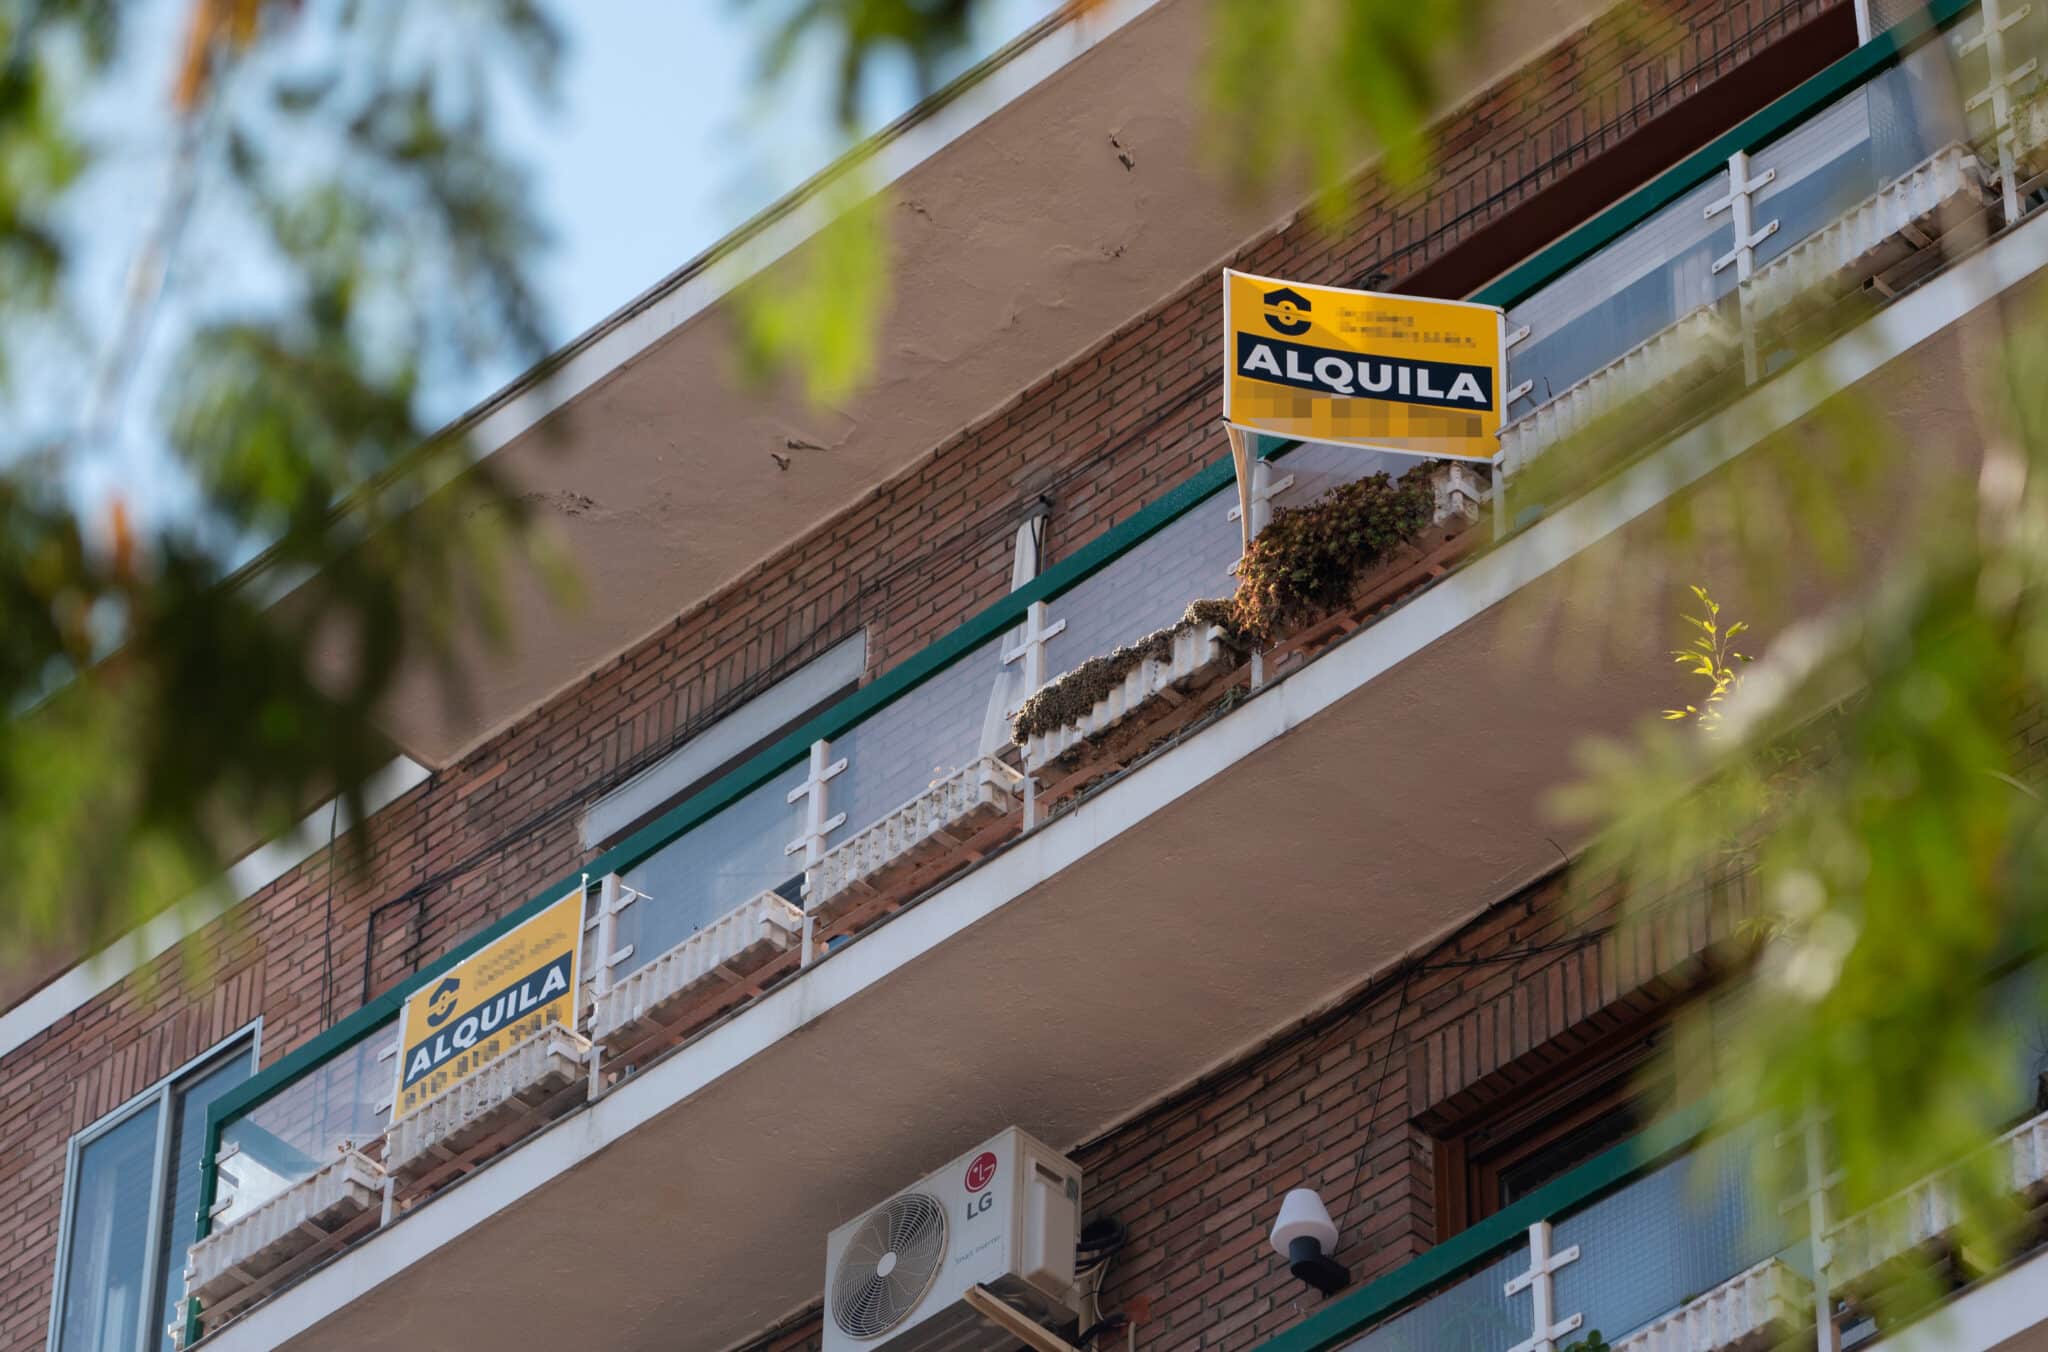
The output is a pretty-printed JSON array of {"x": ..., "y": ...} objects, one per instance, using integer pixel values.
[
  {"x": 720, "y": 956},
  {"x": 243, "y": 1261}
]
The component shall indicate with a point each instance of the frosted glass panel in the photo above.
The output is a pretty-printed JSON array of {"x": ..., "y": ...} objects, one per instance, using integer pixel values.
[
  {"x": 722, "y": 861},
  {"x": 896, "y": 753},
  {"x": 1842, "y": 155},
  {"x": 1150, "y": 587},
  {"x": 1675, "y": 1232},
  {"x": 1640, "y": 284},
  {"x": 1474, "y": 1313},
  {"x": 304, "y": 1126},
  {"x": 1317, "y": 469}
]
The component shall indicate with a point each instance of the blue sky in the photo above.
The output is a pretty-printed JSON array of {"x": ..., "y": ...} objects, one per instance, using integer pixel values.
[{"x": 654, "y": 155}]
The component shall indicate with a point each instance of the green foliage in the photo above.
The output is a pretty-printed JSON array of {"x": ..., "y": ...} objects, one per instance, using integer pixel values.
[
  {"x": 1308, "y": 557},
  {"x": 1305, "y": 561},
  {"x": 1711, "y": 656},
  {"x": 1323, "y": 85},
  {"x": 869, "y": 34},
  {"x": 165, "y": 714},
  {"x": 816, "y": 316},
  {"x": 1069, "y": 697},
  {"x": 1874, "y": 783}
]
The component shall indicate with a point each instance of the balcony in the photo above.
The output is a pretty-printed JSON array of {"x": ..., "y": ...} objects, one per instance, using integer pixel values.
[
  {"x": 1660, "y": 1246},
  {"x": 897, "y": 930}
]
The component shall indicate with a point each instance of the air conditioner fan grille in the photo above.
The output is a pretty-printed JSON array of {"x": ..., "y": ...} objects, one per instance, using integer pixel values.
[{"x": 888, "y": 1264}]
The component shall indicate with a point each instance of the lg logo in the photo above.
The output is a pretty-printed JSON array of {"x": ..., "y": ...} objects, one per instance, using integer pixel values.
[{"x": 979, "y": 1172}]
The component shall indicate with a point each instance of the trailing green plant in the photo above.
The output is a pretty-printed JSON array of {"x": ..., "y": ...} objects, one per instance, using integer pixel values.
[
  {"x": 1070, "y": 696},
  {"x": 1307, "y": 558}
]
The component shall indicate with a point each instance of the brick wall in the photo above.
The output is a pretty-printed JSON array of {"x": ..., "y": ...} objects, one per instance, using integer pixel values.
[
  {"x": 1338, "y": 1103},
  {"x": 1104, "y": 435}
]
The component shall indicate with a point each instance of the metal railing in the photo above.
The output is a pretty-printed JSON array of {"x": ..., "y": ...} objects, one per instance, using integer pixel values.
[{"x": 1581, "y": 305}]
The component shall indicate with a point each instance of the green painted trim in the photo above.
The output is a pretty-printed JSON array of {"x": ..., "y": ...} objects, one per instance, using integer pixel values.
[
  {"x": 1351, "y": 1315},
  {"x": 1818, "y": 90}
]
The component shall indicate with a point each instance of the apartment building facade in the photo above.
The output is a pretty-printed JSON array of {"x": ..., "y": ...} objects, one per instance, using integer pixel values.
[{"x": 1218, "y": 920}]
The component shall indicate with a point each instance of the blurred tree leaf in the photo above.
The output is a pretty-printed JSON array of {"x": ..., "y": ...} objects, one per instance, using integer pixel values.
[{"x": 165, "y": 712}]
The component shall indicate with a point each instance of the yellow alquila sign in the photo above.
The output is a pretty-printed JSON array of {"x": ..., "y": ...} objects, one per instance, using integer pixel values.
[
  {"x": 474, "y": 1012},
  {"x": 1358, "y": 368}
]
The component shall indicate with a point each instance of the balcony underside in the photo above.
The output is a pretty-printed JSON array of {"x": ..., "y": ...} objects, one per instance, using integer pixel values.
[
  {"x": 1233, "y": 884},
  {"x": 1031, "y": 241}
]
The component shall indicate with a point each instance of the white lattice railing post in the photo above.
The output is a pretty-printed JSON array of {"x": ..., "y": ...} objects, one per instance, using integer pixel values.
[
  {"x": 1264, "y": 489},
  {"x": 1509, "y": 337},
  {"x": 602, "y": 924},
  {"x": 1030, "y": 649},
  {"x": 1029, "y": 654},
  {"x": 1546, "y": 1328},
  {"x": 1740, "y": 203},
  {"x": 1998, "y": 93},
  {"x": 1812, "y": 1198},
  {"x": 389, "y": 1052},
  {"x": 816, "y": 794}
]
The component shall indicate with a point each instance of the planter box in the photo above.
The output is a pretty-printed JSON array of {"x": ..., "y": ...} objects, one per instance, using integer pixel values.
[
  {"x": 1744, "y": 1314},
  {"x": 1888, "y": 240},
  {"x": 943, "y": 829},
  {"x": 315, "y": 1217},
  {"x": 1679, "y": 358},
  {"x": 1919, "y": 1219},
  {"x": 535, "y": 1082},
  {"x": 1157, "y": 700},
  {"x": 1197, "y": 654},
  {"x": 1445, "y": 544},
  {"x": 1161, "y": 696},
  {"x": 723, "y": 961}
]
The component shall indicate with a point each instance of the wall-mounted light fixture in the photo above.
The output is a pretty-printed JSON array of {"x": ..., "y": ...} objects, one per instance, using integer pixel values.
[{"x": 1305, "y": 1235}]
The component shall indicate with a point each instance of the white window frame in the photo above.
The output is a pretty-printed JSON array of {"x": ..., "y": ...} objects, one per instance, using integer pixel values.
[{"x": 161, "y": 1096}]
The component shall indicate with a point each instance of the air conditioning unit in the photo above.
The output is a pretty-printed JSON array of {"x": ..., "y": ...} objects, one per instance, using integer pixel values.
[{"x": 1005, "y": 1216}]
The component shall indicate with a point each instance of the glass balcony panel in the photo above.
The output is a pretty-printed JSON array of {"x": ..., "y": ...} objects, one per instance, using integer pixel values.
[
  {"x": 1318, "y": 469},
  {"x": 1839, "y": 157},
  {"x": 901, "y": 749},
  {"x": 731, "y": 856},
  {"x": 1673, "y": 1234},
  {"x": 1640, "y": 284},
  {"x": 1474, "y": 1313},
  {"x": 1150, "y": 587},
  {"x": 304, "y": 1126},
  {"x": 1914, "y": 111},
  {"x": 2023, "y": 37}
]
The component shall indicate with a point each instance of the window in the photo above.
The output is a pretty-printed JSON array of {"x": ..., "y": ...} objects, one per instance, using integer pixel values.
[
  {"x": 1547, "y": 1127},
  {"x": 131, "y": 1190},
  {"x": 731, "y": 741}
]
